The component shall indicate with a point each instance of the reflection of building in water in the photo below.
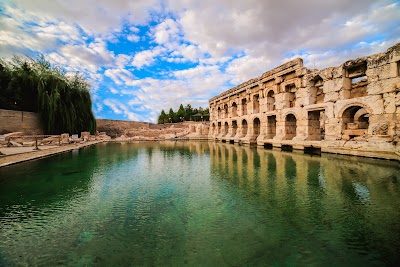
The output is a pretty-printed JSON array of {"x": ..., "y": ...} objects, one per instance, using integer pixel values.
[
  {"x": 284, "y": 176},
  {"x": 350, "y": 109}
]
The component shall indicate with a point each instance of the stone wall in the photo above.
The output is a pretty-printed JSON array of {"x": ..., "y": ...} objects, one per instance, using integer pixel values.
[
  {"x": 355, "y": 106},
  {"x": 120, "y": 123},
  {"x": 19, "y": 121}
]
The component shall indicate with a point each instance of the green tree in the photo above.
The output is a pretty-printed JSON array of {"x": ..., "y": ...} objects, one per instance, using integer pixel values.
[
  {"x": 180, "y": 114},
  {"x": 188, "y": 112},
  {"x": 162, "y": 118},
  {"x": 171, "y": 115},
  {"x": 63, "y": 102}
]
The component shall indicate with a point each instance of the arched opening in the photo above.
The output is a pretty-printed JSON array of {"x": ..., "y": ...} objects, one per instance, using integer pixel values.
[
  {"x": 226, "y": 128},
  {"x": 256, "y": 127},
  {"x": 219, "y": 128},
  {"x": 290, "y": 127},
  {"x": 316, "y": 125},
  {"x": 234, "y": 109},
  {"x": 244, "y": 128},
  {"x": 219, "y": 113},
  {"x": 256, "y": 104},
  {"x": 271, "y": 127},
  {"x": 234, "y": 128},
  {"x": 271, "y": 100},
  {"x": 355, "y": 121},
  {"x": 226, "y": 111},
  {"x": 244, "y": 106},
  {"x": 212, "y": 129}
]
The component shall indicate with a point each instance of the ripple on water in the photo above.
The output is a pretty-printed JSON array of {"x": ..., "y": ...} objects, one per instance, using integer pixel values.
[{"x": 150, "y": 204}]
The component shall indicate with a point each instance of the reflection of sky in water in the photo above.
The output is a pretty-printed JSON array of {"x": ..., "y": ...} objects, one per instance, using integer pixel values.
[{"x": 362, "y": 192}]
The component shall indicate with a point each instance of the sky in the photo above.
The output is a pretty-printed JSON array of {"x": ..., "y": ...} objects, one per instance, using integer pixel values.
[{"x": 142, "y": 56}]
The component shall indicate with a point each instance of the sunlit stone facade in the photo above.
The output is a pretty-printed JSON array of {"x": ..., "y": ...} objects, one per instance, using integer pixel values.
[{"x": 350, "y": 109}]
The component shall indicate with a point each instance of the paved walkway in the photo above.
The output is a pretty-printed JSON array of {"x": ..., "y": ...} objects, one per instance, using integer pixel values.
[{"x": 20, "y": 154}]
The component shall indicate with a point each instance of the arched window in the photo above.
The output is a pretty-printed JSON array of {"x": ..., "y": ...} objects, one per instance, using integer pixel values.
[
  {"x": 256, "y": 104},
  {"x": 234, "y": 109},
  {"x": 244, "y": 106},
  {"x": 271, "y": 100},
  {"x": 256, "y": 127},
  {"x": 290, "y": 127},
  {"x": 244, "y": 128}
]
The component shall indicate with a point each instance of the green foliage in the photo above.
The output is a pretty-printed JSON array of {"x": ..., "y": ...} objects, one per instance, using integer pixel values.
[
  {"x": 63, "y": 101},
  {"x": 162, "y": 118},
  {"x": 171, "y": 115},
  {"x": 183, "y": 114}
]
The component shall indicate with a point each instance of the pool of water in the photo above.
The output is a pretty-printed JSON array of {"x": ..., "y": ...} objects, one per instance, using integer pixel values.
[{"x": 199, "y": 203}]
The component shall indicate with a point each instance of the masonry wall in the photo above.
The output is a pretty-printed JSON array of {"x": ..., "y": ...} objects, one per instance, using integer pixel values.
[
  {"x": 355, "y": 106},
  {"x": 123, "y": 124},
  {"x": 17, "y": 121}
]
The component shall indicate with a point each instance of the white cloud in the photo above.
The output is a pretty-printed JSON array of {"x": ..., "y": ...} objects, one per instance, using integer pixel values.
[
  {"x": 94, "y": 16},
  {"x": 225, "y": 42},
  {"x": 114, "y": 91},
  {"x": 119, "y": 108},
  {"x": 133, "y": 38},
  {"x": 146, "y": 57},
  {"x": 247, "y": 67},
  {"x": 120, "y": 76},
  {"x": 167, "y": 31}
]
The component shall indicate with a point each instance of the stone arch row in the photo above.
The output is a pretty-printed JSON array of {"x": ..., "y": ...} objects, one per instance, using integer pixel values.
[
  {"x": 270, "y": 95},
  {"x": 354, "y": 119}
]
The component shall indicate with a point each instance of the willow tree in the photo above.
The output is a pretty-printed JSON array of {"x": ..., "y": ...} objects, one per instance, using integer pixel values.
[{"x": 62, "y": 100}]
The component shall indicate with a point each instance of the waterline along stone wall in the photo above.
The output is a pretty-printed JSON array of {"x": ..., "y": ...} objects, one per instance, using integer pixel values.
[{"x": 350, "y": 109}]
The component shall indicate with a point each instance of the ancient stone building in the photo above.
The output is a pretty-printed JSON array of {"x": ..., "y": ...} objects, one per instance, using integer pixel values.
[{"x": 350, "y": 109}]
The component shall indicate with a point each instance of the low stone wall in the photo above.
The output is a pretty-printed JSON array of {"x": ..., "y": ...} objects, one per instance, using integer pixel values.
[
  {"x": 19, "y": 121},
  {"x": 123, "y": 124}
]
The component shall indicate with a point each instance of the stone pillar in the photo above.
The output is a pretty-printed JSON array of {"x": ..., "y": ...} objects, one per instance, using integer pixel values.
[{"x": 65, "y": 138}]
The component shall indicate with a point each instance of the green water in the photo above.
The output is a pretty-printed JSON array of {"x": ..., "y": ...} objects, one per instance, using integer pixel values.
[{"x": 202, "y": 204}]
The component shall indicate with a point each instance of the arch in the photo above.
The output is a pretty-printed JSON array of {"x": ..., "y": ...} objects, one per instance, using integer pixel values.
[
  {"x": 226, "y": 111},
  {"x": 234, "y": 128},
  {"x": 219, "y": 128},
  {"x": 234, "y": 109},
  {"x": 290, "y": 126},
  {"x": 244, "y": 106},
  {"x": 219, "y": 112},
  {"x": 270, "y": 100},
  {"x": 244, "y": 128},
  {"x": 226, "y": 128},
  {"x": 343, "y": 109},
  {"x": 212, "y": 128},
  {"x": 271, "y": 127},
  {"x": 355, "y": 118},
  {"x": 256, "y": 103},
  {"x": 256, "y": 127}
]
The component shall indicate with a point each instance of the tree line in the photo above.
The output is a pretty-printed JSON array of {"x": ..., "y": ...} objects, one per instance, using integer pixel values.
[
  {"x": 183, "y": 114},
  {"x": 61, "y": 99}
]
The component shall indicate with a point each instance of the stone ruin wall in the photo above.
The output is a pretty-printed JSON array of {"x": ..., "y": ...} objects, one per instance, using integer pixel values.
[
  {"x": 350, "y": 109},
  {"x": 19, "y": 121}
]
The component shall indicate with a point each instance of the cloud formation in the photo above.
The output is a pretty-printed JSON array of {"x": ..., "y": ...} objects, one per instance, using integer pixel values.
[{"x": 146, "y": 55}]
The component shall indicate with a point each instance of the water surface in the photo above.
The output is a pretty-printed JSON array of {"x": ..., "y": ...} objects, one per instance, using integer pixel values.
[{"x": 186, "y": 203}]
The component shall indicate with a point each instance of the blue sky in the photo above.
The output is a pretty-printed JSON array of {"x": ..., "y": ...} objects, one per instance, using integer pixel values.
[{"x": 146, "y": 55}]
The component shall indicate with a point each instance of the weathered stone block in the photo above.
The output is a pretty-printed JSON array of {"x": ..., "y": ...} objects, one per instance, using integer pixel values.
[
  {"x": 331, "y": 97},
  {"x": 389, "y": 102},
  {"x": 383, "y": 86},
  {"x": 379, "y": 73},
  {"x": 333, "y": 85}
]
